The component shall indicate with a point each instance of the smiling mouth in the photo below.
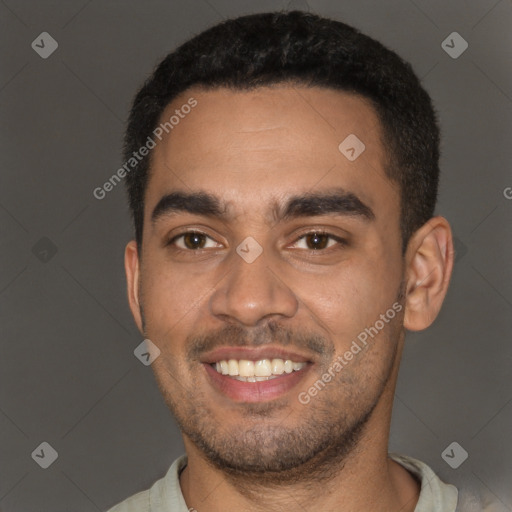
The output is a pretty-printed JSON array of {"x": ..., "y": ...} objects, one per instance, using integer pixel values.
[{"x": 246, "y": 370}]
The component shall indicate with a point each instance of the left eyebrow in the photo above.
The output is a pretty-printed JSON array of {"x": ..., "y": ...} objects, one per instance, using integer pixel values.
[{"x": 337, "y": 202}]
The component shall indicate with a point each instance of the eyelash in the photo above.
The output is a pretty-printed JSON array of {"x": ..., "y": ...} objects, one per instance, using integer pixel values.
[
  {"x": 341, "y": 242},
  {"x": 181, "y": 235}
]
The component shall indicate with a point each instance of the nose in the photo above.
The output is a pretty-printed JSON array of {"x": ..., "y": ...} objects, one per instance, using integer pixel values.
[{"x": 251, "y": 292}]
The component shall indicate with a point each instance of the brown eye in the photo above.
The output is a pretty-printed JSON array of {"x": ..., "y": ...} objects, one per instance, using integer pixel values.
[
  {"x": 317, "y": 241},
  {"x": 194, "y": 240}
]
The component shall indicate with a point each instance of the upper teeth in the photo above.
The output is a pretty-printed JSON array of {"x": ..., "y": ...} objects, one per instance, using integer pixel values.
[{"x": 261, "y": 368}]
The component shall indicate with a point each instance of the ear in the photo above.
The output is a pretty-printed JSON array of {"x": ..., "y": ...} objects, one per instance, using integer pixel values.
[
  {"x": 429, "y": 261},
  {"x": 131, "y": 266}
]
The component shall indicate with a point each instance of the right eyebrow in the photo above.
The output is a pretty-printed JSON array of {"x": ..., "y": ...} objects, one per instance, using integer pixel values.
[{"x": 198, "y": 203}]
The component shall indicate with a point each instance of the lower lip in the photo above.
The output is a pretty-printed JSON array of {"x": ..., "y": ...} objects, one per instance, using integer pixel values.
[{"x": 262, "y": 391}]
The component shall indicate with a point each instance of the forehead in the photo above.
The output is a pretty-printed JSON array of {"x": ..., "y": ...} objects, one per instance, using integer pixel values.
[{"x": 258, "y": 145}]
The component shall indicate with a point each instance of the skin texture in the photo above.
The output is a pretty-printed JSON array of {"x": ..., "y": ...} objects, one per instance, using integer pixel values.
[{"x": 254, "y": 150}]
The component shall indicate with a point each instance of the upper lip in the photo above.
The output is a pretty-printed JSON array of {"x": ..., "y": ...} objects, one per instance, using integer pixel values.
[{"x": 253, "y": 354}]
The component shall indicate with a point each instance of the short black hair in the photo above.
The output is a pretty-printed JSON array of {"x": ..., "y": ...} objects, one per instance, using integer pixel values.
[{"x": 305, "y": 49}]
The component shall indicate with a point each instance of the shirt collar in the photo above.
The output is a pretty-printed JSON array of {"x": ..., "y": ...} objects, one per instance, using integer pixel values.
[{"x": 435, "y": 495}]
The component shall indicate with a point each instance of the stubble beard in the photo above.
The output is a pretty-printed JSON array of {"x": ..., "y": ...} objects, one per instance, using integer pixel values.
[{"x": 263, "y": 451}]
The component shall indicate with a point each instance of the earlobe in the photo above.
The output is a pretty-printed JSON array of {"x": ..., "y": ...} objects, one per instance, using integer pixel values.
[
  {"x": 429, "y": 260},
  {"x": 131, "y": 265}
]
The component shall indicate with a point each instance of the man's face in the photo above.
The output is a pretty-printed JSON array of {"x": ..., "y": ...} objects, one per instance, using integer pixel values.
[{"x": 311, "y": 272}]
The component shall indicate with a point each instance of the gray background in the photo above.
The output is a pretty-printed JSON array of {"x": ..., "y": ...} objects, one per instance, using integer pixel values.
[{"x": 68, "y": 375}]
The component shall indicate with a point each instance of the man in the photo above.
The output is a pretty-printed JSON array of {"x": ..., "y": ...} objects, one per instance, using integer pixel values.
[{"x": 285, "y": 172}]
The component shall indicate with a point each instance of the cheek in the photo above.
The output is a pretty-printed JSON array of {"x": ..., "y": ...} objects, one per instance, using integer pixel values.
[
  {"x": 171, "y": 295},
  {"x": 350, "y": 298}
]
